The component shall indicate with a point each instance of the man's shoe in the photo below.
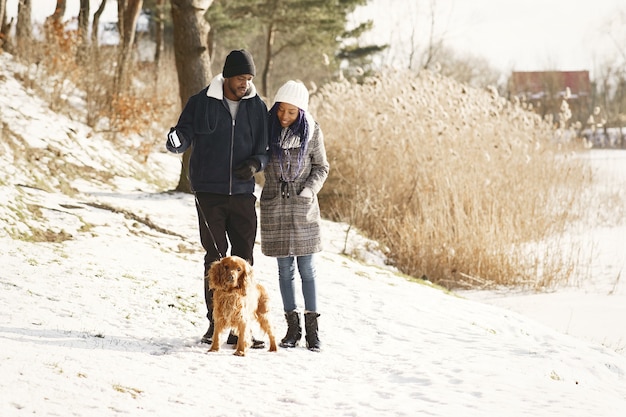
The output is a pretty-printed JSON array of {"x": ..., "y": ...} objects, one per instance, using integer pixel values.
[
  {"x": 208, "y": 336},
  {"x": 232, "y": 339},
  {"x": 256, "y": 344}
]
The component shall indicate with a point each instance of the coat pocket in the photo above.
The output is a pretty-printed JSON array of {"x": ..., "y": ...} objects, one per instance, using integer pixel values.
[{"x": 305, "y": 211}]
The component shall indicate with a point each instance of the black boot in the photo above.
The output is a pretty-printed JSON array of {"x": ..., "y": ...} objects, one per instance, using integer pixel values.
[
  {"x": 256, "y": 343},
  {"x": 294, "y": 331},
  {"x": 310, "y": 325},
  {"x": 208, "y": 336}
]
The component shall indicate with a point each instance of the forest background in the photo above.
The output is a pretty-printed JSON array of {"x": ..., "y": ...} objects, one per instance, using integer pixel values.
[{"x": 460, "y": 183}]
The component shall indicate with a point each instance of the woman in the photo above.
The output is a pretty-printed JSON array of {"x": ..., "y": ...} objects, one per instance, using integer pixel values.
[{"x": 290, "y": 214}]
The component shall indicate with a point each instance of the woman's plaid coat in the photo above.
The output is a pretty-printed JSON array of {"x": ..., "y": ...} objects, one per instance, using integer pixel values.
[{"x": 290, "y": 223}]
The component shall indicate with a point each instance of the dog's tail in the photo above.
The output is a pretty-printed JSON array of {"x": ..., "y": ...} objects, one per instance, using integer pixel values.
[{"x": 264, "y": 300}]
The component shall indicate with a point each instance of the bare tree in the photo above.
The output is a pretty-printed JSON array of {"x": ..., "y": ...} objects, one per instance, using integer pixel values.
[
  {"x": 466, "y": 68},
  {"x": 191, "y": 53},
  {"x": 83, "y": 30},
  {"x": 95, "y": 24},
  {"x": 3, "y": 16},
  {"x": 23, "y": 27},
  {"x": 56, "y": 18},
  {"x": 160, "y": 29},
  {"x": 53, "y": 24},
  {"x": 610, "y": 78},
  {"x": 127, "y": 16},
  {"x": 434, "y": 42}
]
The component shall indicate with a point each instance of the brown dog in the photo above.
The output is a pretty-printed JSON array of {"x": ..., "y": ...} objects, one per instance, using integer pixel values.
[{"x": 238, "y": 300}]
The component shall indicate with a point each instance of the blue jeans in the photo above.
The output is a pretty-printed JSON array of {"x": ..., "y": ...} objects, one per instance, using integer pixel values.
[{"x": 286, "y": 276}]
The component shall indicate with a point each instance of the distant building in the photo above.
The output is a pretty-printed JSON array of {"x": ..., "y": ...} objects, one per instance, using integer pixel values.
[{"x": 547, "y": 89}]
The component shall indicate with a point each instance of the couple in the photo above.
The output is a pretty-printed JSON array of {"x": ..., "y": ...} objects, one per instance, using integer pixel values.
[{"x": 230, "y": 131}]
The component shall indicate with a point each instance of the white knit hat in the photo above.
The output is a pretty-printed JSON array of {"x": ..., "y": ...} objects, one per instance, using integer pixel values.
[{"x": 294, "y": 93}]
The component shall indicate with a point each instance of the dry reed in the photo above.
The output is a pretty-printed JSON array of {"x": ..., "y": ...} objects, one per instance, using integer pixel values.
[{"x": 458, "y": 183}]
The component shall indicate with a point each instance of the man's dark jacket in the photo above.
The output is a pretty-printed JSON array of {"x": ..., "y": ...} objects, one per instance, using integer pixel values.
[{"x": 219, "y": 143}]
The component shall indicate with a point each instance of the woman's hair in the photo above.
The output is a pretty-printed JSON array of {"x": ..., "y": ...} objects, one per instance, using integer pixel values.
[{"x": 299, "y": 127}]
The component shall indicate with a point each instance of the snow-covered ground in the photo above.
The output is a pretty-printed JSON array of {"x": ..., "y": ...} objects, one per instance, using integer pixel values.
[{"x": 108, "y": 322}]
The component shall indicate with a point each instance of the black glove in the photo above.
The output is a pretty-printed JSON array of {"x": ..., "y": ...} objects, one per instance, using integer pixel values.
[
  {"x": 173, "y": 138},
  {"x": 247, "y": 170},
  {"x": 176, "y": 142}
]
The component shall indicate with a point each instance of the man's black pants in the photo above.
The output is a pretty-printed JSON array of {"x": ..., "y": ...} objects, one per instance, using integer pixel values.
[{"x": 231, "y": 219}]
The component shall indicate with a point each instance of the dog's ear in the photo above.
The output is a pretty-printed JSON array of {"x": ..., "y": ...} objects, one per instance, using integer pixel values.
[
  {"x": 215, "y": 274},
  {"x": 245, "y": 278},
  {"x": 248, "y": 270}
]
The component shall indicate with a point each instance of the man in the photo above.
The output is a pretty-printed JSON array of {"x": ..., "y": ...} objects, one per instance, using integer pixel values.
[{"x": 225, "y": 124}]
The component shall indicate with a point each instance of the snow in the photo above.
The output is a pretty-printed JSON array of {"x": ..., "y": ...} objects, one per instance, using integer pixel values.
[{"x": 109, "y": 321}]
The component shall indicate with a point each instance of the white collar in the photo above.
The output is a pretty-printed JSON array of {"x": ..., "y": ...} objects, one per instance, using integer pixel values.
[{"x": 216, "y": 88}]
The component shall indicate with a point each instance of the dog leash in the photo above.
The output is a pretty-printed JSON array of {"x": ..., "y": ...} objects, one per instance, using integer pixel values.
[
  {"x": 204, "y": 220},
  {"x": 206, "y": 223}
]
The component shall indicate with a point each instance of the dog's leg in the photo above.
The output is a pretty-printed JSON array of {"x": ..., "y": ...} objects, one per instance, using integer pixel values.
[
  {"x": 242, "y": 341},
  {"x": 267, "y": 328},
  {"x": 219, "y": 327},
  {"x": 262, "y": 311}
]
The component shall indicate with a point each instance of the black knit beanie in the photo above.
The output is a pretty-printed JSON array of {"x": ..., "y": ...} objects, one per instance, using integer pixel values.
[{"x": 238, "y": 63}]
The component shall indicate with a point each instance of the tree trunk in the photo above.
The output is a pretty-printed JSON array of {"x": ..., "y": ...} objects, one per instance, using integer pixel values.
[
  {"x": 193, "y": 63},
  {"x": 3, "y": 16},
  {"x": 56, "y": 18},
  {"x": 83, "y": 30},
  {"x": 53, "y": 24},
  {"x": 269, "y": 51},
  {"x": 95, "y": 25},
  {"x": 23, "y": 27},
  {"x": 160, "y": 28},
  {"x": 127, "y": 15}
]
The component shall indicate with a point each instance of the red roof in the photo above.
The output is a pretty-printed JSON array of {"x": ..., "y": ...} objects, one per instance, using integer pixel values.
[{"x": 535, "y": 82}]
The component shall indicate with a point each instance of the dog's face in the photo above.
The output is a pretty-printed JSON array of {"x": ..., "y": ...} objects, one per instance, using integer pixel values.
[{"x": 229, "y": 273}]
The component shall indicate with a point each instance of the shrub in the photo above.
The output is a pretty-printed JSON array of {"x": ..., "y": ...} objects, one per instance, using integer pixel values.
[{"x": 77, "y": 80}]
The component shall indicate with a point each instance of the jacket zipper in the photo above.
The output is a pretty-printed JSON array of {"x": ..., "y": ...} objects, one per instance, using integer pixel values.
[{"x": 232, "y": 150}]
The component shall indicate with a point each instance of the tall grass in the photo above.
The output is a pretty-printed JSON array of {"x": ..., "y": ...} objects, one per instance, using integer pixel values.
[{"x": 460, "y": 185}]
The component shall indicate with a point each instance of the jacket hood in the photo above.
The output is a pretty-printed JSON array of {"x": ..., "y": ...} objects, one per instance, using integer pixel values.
[
  {"x": 216, "y": 89},
  {"x": 311, "y": 122}
]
